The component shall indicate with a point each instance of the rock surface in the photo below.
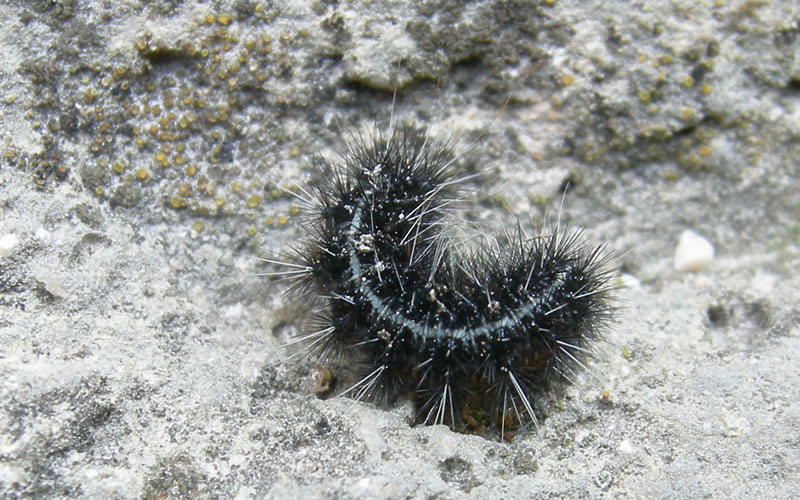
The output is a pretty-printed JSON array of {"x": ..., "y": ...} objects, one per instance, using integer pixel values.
[{"x": 149, "y": 149}]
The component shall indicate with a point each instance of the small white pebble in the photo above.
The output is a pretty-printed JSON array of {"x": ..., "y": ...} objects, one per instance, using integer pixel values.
[
  {"x": 735, "y": 426},
  {"x": 625, "y": 447},
  {"x": 7, "y": 243},
  {"x": 52, "y": 283},
  {"x": 42, "y": 234},
  {"x": 233, "y": 311},
  {"x": 694, "y": 253}
]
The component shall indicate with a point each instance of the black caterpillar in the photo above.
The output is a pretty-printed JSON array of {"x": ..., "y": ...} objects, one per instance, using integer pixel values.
[{"x": 472, "y": 338}]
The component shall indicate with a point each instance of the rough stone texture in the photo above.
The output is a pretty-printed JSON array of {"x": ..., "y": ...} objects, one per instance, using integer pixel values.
[{"x": 148, "y": 148}]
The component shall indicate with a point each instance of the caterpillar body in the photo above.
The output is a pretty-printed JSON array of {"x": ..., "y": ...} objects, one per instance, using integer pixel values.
[{"x": 471, "y": 336}]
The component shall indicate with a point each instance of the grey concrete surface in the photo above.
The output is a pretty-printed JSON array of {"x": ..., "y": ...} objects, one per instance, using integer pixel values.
[{"x": 147, "y": 152}]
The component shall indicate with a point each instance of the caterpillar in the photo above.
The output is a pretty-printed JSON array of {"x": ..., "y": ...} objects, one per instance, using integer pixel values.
[{"x": 471, "y": 336}]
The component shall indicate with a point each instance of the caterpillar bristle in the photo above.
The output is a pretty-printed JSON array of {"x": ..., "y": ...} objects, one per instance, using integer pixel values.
[{"x": 473, "y": 336}]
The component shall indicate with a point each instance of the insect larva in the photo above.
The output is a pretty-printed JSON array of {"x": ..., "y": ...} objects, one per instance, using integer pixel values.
[{"x": 473, "y": 337}]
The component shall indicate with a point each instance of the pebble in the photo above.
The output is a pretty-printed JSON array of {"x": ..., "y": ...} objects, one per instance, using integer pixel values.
[
  {"x": 694, "y": 252},
  {"x": 7, "y": 243}
]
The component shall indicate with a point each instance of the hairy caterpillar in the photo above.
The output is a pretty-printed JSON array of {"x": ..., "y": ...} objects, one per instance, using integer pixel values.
[{"x": 471, "y": 337}]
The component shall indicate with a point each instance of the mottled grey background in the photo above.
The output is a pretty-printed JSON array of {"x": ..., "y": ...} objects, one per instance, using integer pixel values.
[{"x": 147, "y": 150}]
